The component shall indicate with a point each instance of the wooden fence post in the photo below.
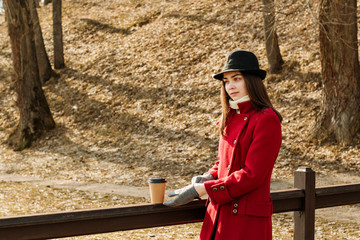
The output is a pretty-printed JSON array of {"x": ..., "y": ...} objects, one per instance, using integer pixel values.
[{"x": 304, "y": 221}]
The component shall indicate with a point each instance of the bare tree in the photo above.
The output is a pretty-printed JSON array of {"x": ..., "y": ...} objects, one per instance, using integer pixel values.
[
  {"x": 45, "y": 70},
  {"x": 35, "y": 115},
  {"x": 340, "y": 113},
  {"x": 58, "y": 36},
  {"x": 271, "y": 39}
]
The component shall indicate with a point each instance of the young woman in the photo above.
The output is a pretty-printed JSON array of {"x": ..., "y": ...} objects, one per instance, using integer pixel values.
[{"x": 238, "y": 185}]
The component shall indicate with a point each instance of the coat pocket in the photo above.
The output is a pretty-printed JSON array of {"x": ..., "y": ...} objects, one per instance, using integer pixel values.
[{"x": 259, "y": 209}]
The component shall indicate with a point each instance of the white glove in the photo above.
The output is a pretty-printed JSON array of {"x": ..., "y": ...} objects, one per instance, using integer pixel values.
[
  {"x": 183, "y": 196},
  {"x": 202, "y": 178}
]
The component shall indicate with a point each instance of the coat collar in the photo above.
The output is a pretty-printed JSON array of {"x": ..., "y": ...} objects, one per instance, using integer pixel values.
[{"x": 245, "y": 107}]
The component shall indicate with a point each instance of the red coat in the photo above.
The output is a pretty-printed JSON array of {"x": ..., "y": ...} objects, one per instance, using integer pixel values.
[{"x": 240, "y": 205}]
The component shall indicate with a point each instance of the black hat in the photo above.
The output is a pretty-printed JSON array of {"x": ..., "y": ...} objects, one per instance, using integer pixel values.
[{"x": 242, "y": 61}]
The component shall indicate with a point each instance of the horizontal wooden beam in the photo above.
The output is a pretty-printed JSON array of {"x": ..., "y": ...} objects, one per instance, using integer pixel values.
[
  {"x": 84, "y": 222},
  {"x": 287, "y": 200},
  {"x": 76, "y": 223},
  {"x": 338, "y": 195}
]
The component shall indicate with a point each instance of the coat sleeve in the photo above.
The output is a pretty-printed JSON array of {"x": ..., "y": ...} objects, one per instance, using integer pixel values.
[
  {"x": 214, "y": 170},
  {"x": 259, "y": 162}
]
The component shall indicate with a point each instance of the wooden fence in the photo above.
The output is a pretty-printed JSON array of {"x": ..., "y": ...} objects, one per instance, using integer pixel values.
[{"x": 302, "y": 200}]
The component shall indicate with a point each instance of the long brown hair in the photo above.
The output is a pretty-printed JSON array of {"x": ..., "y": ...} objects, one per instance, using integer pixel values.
[{"x": 257, "y": 94}]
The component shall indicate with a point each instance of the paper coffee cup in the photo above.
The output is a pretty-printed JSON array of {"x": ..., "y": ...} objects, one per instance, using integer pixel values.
[{"x": 157, "y": 189}]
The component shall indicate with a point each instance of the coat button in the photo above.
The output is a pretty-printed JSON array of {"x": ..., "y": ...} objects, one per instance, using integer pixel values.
[
  {"x": 228, "y": 167},
  {"x": 234, "y": 142},
  {"x": 245, "y": 118},
  {"x": 215, "y": 189},
  {"x": 236, "y": 205},
  {"x": 235, "y": 211},
  {"x": 222, "y": 188}
]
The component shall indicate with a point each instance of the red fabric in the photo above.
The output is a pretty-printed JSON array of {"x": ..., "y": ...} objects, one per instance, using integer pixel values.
[{"x": 240, "y": 205}]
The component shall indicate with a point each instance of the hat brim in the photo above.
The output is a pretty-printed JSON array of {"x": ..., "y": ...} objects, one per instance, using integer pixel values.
[{"x": 259, "y": 72}]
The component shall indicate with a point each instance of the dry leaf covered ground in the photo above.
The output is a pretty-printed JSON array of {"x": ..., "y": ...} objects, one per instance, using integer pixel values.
[{"x": 137, "y": 100}]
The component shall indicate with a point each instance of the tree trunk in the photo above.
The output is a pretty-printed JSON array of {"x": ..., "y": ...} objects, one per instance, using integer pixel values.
[
  {"x": 45, "y": 70},
  {"x": 58, "y": 38},
  {"x": 340, "y": 113},
  {"x": 35, "y": 115},
  {"x": 271, "y": 40}
]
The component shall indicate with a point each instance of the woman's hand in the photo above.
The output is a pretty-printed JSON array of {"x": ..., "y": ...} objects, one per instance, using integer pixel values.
[
  {"x": 200, "y": 189},
  {"x": 202, "y": 178},
  {"x": 186, "y": 194},
  {"x": 183, "y": 196}
]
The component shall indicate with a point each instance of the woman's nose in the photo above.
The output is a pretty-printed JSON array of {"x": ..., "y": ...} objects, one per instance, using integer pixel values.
[{"x": 230, "y": 85}]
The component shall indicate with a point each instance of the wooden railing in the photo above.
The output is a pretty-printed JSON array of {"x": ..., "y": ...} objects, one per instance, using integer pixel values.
[{"x": 303, "y": 200}]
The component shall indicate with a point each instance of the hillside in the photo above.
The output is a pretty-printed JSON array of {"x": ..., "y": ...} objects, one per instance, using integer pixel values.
[
  {"x": 137, "y": 91},
  {"x": 137, "y": 99}
]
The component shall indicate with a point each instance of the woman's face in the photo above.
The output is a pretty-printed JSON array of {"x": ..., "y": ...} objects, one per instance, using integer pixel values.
[{"x": 235, "y": 85}]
